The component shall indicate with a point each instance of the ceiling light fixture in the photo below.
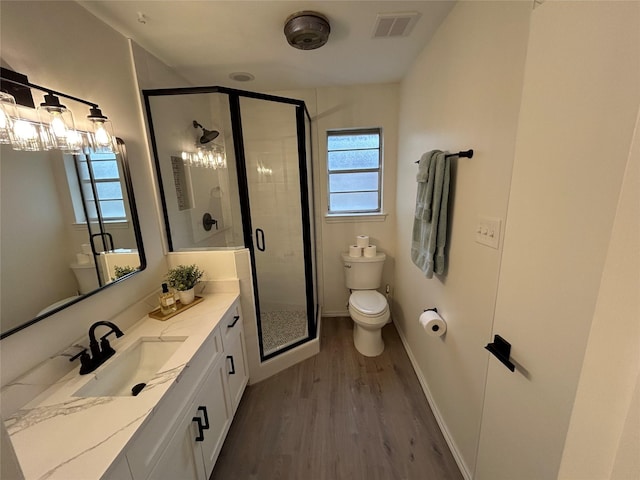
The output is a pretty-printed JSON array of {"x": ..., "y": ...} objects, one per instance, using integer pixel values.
[
  {"x": 241, "y": 76},
  {"x": 307, "y": 30}
]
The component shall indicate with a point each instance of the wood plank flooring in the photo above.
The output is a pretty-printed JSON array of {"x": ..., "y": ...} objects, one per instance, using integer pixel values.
[{"x": 338, "y": 415}]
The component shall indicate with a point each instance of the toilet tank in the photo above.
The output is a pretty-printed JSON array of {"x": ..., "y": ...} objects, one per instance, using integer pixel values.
[{"x": 363, "y": 273}]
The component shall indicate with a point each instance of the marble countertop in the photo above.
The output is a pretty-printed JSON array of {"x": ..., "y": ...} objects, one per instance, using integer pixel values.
[{"x": 60, "y": 436}]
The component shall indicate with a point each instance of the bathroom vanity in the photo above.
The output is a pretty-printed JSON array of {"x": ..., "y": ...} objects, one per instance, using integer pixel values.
[{"x": 92, "y": 427}]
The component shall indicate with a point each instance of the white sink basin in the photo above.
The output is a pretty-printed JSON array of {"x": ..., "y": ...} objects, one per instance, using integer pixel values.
[{"x": 136, "y": 365}]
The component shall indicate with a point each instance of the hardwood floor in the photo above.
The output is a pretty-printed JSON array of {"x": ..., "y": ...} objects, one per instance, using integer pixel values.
[{"x": 338, "y": 415}]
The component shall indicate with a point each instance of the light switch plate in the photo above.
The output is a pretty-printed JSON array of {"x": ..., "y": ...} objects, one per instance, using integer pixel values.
[{"x": 488, "y": 231}]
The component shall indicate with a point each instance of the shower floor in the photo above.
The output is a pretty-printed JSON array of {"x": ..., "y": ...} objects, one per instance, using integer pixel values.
[{"x": 282, "y": 328}]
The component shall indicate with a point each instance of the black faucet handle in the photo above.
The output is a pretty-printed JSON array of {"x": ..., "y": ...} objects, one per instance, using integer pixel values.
[
  {"x": 85, "y": 361},
  {"x": 105, "y": 347}
]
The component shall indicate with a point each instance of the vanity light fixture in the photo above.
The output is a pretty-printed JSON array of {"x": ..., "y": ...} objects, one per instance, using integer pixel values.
[{"x": 55, "y": 127}]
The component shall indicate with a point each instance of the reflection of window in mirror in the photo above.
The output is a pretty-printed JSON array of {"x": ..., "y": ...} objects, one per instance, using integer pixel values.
[{"x": 108, "y": 179}]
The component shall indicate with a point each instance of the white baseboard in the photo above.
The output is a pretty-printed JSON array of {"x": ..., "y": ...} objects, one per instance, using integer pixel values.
[{"x": 436, "y": 413}]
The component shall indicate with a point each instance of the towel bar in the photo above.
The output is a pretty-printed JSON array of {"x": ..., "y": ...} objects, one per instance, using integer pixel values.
[{"x": 461, "y": 154}]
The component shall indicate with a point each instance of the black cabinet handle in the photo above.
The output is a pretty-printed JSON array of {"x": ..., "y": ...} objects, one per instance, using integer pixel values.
[
  {"x": 235, "y": 320},
  {"x": 260, "y": 245},
  {"x": 233, "y": 366},
  {"x": 206, "y": 417},
  {"x": 200, "y": 436},
  {"x": 201, "y": 426}
]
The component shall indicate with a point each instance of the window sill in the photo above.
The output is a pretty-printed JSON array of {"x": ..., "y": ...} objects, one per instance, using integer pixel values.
[
  {"x": 354, "y": 217},
  {"x": 110, "y": 223}
]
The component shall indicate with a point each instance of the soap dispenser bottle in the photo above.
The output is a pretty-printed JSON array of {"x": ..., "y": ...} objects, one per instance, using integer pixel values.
[{"x": 167, "y": 301}]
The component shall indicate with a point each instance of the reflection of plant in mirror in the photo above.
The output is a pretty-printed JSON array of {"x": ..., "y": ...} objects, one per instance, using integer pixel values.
[
  {"x": 184, "y": 277},
  {"x": 122, "y": 271}
]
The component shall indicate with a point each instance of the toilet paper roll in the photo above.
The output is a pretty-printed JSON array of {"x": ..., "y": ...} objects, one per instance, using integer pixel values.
[
  {"x": 433, "y": 323},
  {"x": 86, "y": 248},
  {"x": 355, "y": 251},
  {"x": 362, "y": 240},
  {"x": 370, "y": 251}
]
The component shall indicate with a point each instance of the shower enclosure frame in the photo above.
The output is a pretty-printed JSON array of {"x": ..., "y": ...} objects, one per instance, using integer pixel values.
[{"x": 306, "y": 194}]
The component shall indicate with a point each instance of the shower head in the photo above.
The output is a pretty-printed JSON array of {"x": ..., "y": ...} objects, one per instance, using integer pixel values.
[{"x": 207, "y": 135}]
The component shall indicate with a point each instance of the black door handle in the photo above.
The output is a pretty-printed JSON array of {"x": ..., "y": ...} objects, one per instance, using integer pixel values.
[
  {"x": 233, "y": 366},
  {"x": 260, "y": 245},
  {"x": 235, "y": 320},
  {"x": 501, "y": 349}
]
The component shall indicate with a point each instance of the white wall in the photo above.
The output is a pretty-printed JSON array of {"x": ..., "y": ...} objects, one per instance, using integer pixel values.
[
  {"x": 34, "y": 42},
  {"x": 462, "y": 92},
  {"x": 357, "y": 106},
  {"x": 605, "y": 404}
]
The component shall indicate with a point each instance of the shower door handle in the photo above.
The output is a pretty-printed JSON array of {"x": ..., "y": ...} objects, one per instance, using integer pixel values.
[{"x": 260, "y": 245}]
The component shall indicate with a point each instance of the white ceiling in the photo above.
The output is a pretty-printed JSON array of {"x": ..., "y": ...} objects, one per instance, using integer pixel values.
[{"x": 207, "y": 40}]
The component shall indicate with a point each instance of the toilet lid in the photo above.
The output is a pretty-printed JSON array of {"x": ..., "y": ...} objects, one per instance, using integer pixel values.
[{"x": 368, "y": 302}]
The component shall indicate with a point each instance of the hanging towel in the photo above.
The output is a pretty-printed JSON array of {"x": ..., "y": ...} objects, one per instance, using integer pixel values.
[
  {"x": 430, "y": 222},
  {"x": 425, "y": 179}
]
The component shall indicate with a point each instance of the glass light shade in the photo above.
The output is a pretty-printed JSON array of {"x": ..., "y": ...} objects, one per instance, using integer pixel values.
[
  {"x": 103, "y": 138},
  {"x": 25, "y": 135},
  {"x": 76, "y": 142},
  {"x": 8, "y": 113},
  {"x": 59, "y": 119},
  {"x": 47, "y": 139}
]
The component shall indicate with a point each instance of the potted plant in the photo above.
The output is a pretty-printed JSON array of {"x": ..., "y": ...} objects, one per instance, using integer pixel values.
[
  {"x": 122, "y": 271},
  {"x": 184, "y": 278}
]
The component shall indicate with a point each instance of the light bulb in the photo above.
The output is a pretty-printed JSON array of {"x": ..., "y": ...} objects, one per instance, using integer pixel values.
[
  {"x": 58, "y": 126},
  {"x": 102, "y": 136}
]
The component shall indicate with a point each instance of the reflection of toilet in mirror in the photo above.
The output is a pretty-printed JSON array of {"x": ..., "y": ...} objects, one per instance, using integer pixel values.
[
  {"x": 86, "y": 277},
  {"x": 57, "y": 304}
]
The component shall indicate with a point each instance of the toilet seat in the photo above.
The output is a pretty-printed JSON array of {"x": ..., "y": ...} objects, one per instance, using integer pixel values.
[{"x": 368, "y": 303}]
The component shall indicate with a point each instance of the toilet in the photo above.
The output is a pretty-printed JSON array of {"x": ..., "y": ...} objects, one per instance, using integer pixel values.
[
  {"x": 367, "y": 307},
  {"x": 86, "y": 277}
]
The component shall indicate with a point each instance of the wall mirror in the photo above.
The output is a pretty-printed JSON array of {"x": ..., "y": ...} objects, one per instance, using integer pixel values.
[
  {"x": 68, "y": 220},
  {"x": 69, "y": 228}
]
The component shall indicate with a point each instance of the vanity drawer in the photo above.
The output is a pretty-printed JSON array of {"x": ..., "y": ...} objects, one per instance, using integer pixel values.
[
  {"x": 149, "y": 442},
  {"x": 231, "y": 326}
]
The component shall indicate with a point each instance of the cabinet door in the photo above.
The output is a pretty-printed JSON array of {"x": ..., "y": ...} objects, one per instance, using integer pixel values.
[
  {"x": 181, "y": 459},
  {"x": 212, "y": 401},
  {"x": 236, "y": 372}
]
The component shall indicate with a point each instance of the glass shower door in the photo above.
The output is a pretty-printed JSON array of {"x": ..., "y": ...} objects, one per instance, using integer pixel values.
[{"x": 276, "y": 202}]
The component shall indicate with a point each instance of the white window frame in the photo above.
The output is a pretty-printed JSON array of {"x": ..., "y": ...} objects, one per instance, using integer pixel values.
[{"x": 378, "y": 170}]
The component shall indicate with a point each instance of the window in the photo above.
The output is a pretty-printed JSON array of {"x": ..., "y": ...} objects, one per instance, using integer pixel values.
[
  {"x": 354, "y": 162},
  {"x": 108, "y": 187}
]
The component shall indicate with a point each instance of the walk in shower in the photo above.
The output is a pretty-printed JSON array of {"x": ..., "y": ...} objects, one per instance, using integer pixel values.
[{"x": 234, "y": 171}]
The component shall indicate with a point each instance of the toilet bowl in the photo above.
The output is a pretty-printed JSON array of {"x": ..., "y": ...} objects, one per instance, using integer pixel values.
[
  {"x": 368, "y": 308},
  {"x": 370, "y": 312}
]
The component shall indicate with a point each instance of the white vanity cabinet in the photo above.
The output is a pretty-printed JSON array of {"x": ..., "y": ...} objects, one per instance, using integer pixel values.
[
  {"x": 184, "y": 437},
  {"x": 192, "y": 451}
]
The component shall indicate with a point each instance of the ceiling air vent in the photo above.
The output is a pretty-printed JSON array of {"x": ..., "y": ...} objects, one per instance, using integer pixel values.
[{"x": 394, "y": 24}]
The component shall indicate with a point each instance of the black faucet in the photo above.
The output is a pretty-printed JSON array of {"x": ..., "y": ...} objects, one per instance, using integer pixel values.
[{"x": 99, "y": 352}]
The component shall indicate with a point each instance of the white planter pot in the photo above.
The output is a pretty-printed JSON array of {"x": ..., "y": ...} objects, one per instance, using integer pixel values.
[{"x": 186, "y": 296}]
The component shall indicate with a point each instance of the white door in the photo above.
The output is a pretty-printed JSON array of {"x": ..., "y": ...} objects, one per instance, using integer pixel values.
[{"x": 581, "y": 93}]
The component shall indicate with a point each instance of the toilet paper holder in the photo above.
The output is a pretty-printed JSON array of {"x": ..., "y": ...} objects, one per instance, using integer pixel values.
[{"x": 501, "y": 349}]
